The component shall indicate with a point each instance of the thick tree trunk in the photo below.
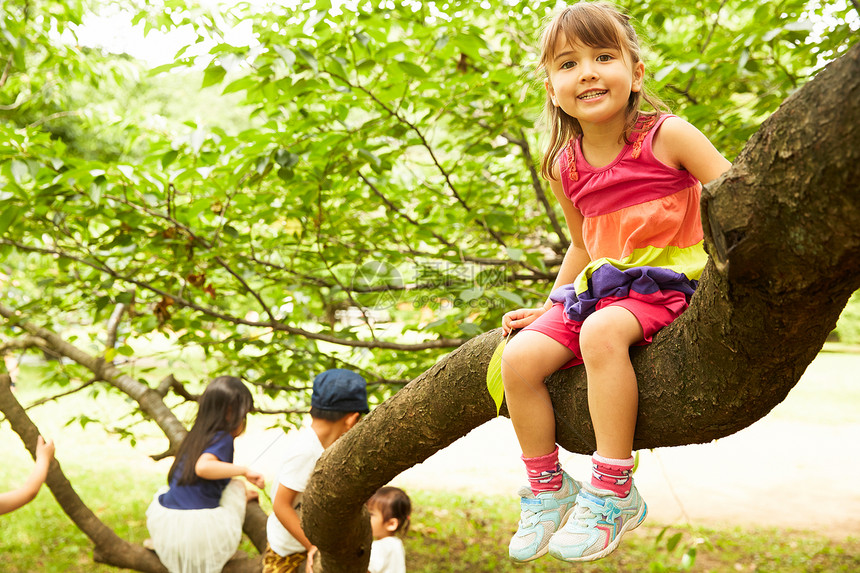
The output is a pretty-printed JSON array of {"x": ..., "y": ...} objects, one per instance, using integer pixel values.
[{"x": 783, "y": 230}]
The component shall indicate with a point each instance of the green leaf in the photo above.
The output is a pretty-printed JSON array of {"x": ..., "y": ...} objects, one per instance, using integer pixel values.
[
  {"x": 287, "y": 54},
  {"x": 471, "y": 294},
  {"x": 20, "y": 171},
  {"x": 125, "y": 350},
  {"x": 470, "y": 328},
  {"x": 494, "y": 376},
  {"x": 373, "y": 158},
  {"x": 97, "y": 188},
  {"x": 411, "y": 69},
  {"x": 213, "y": 75},
  {"x": 309, "y": 58},
  {"x": 688, "y": 559},
  {"x": 673, "y": 541},
  {"x": 515, "y": 254},
  {"x": 8, "y": 216},
  {"x": 512, "y": 297}
]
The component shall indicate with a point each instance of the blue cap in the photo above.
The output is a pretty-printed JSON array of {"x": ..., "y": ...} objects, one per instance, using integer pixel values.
[{"x": 340, "y": 390}]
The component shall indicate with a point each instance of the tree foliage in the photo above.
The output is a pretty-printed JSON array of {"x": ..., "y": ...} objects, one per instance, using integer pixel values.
[{"x": 379, "y": 205}]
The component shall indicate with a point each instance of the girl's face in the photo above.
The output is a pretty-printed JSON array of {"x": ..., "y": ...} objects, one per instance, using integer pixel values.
[
  {"x": 380, "y": 527},
  {"x": 592, "y": 85}
]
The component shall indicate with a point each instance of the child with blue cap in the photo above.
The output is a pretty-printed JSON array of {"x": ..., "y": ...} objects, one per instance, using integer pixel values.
[{"x": 339, "y": 399}]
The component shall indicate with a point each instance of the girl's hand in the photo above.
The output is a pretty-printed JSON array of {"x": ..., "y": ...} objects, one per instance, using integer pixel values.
[
  {"x": 255, "y": 478},
  {"x": 44, "y": 450},
  {"x": 520, "y": 318}
]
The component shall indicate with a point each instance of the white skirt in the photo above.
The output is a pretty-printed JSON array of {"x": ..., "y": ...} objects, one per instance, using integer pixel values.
[{"x": 198, "y": 540}]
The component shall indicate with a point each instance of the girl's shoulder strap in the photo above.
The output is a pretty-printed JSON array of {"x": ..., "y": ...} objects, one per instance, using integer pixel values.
[
  {"x": 567, "y": 163},
  {"x": 645, "y": 131}
]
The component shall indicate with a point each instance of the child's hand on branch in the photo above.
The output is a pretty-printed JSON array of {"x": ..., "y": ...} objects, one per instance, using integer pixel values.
[
  {"x": 44, "y": 450},
  {"x": 520, "y": 318},
  {"x": 309, "y": 565}
]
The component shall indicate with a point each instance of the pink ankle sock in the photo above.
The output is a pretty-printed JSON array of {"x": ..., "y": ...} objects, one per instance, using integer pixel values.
[
  {"x": 612, "y": 475},
  {"x": 544, "y": 472}
]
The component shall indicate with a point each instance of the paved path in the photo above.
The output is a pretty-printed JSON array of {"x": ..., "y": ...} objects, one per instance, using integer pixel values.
[{"x": 769, "y": 474}]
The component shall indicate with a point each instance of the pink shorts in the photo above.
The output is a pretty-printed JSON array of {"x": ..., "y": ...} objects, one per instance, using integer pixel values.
[{"x": 653, "y": 314}]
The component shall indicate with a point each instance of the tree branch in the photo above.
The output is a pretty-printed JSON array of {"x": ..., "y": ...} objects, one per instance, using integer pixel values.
[
  {"x": 113, "y": 324},
  {"x": 6, "y": 69},
  {"x": 22, "y": 343},
  {"x": 80, "y": 387},
  {"x": 109, "y": 547},
  {"x": 538, "y": 187},
  {"x": 276, "y": 325},
  {"x": 392, "y": 207},
  {"x": 150, "y": 402}
]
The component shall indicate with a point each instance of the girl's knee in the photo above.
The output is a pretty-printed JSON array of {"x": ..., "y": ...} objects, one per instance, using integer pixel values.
[
  {"x": 514, "y": 361},
  {"x": 524, "y": 360},
  {"x": 607, "y": 334}
]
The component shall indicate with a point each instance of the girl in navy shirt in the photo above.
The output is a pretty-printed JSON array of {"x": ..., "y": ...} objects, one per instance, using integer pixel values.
[{"x": 196, "y": 522}]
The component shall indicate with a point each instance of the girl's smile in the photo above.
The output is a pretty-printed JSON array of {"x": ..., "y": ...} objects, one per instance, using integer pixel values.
[{"x": 592, "y": 94}]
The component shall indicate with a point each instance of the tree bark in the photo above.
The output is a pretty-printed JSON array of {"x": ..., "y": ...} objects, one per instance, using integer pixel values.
[{"x": 782, "y": 228}]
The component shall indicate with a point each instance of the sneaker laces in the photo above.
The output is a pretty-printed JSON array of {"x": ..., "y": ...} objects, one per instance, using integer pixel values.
[{"x": 585, "y": 510}]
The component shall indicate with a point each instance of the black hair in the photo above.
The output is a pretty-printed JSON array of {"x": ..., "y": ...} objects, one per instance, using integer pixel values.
[
  {"x": 222, "y": 407},
  {"x": 329, "y": 415},
  {"x": 392, "y": 502}
]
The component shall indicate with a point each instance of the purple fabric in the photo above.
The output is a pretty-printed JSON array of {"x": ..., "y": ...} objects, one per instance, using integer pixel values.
[{"x": 608, "y": 281}]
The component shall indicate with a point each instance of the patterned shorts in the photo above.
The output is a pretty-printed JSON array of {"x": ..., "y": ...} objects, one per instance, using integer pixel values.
[{"x": 274, "y": 563}]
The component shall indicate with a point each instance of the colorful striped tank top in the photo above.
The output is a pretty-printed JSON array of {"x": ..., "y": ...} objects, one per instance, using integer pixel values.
[{"x": 641, "y": 227}]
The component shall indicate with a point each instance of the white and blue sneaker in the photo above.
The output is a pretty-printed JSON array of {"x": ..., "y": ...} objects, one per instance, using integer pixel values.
[
  {"x": 597, "y": 524},
  {"x": 541, "y": 516}
]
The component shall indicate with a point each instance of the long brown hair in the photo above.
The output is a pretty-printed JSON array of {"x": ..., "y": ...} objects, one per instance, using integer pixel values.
[
  {"x": 223, "y": 407},
  {"x": 598, "y": 25}
]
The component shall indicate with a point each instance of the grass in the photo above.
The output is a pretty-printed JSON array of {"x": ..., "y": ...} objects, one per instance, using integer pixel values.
[
  {"x": 450, "y": 532},
  {"x": 453, "y": 533}
]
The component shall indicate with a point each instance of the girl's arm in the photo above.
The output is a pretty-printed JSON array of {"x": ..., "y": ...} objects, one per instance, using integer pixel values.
[
  {"x": 12, "y": 500},
  {"x": 282, "y": 507},
  {"x": 210, "y": 467},
  {"x": 574, "y": 261},
  {"x": 576, "y": 257},
  {"x": 679, "y": 144}
]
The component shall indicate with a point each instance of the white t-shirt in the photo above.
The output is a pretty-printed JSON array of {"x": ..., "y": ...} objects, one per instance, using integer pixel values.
[
  {"x": 387, "y": 556},
  {"x": 303, "y": 451}
]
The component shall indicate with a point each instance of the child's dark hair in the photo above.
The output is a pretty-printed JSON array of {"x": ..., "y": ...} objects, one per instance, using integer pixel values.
[
  {"x": 222, "y": 407},
  {"x": 392, "y": 502},
  {"x": 329, "y": 415}
]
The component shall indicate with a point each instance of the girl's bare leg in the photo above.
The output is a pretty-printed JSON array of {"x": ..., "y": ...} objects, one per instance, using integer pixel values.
[
  {"x": 613, "y": 394},
  {"x": 528, "y": 359}
]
